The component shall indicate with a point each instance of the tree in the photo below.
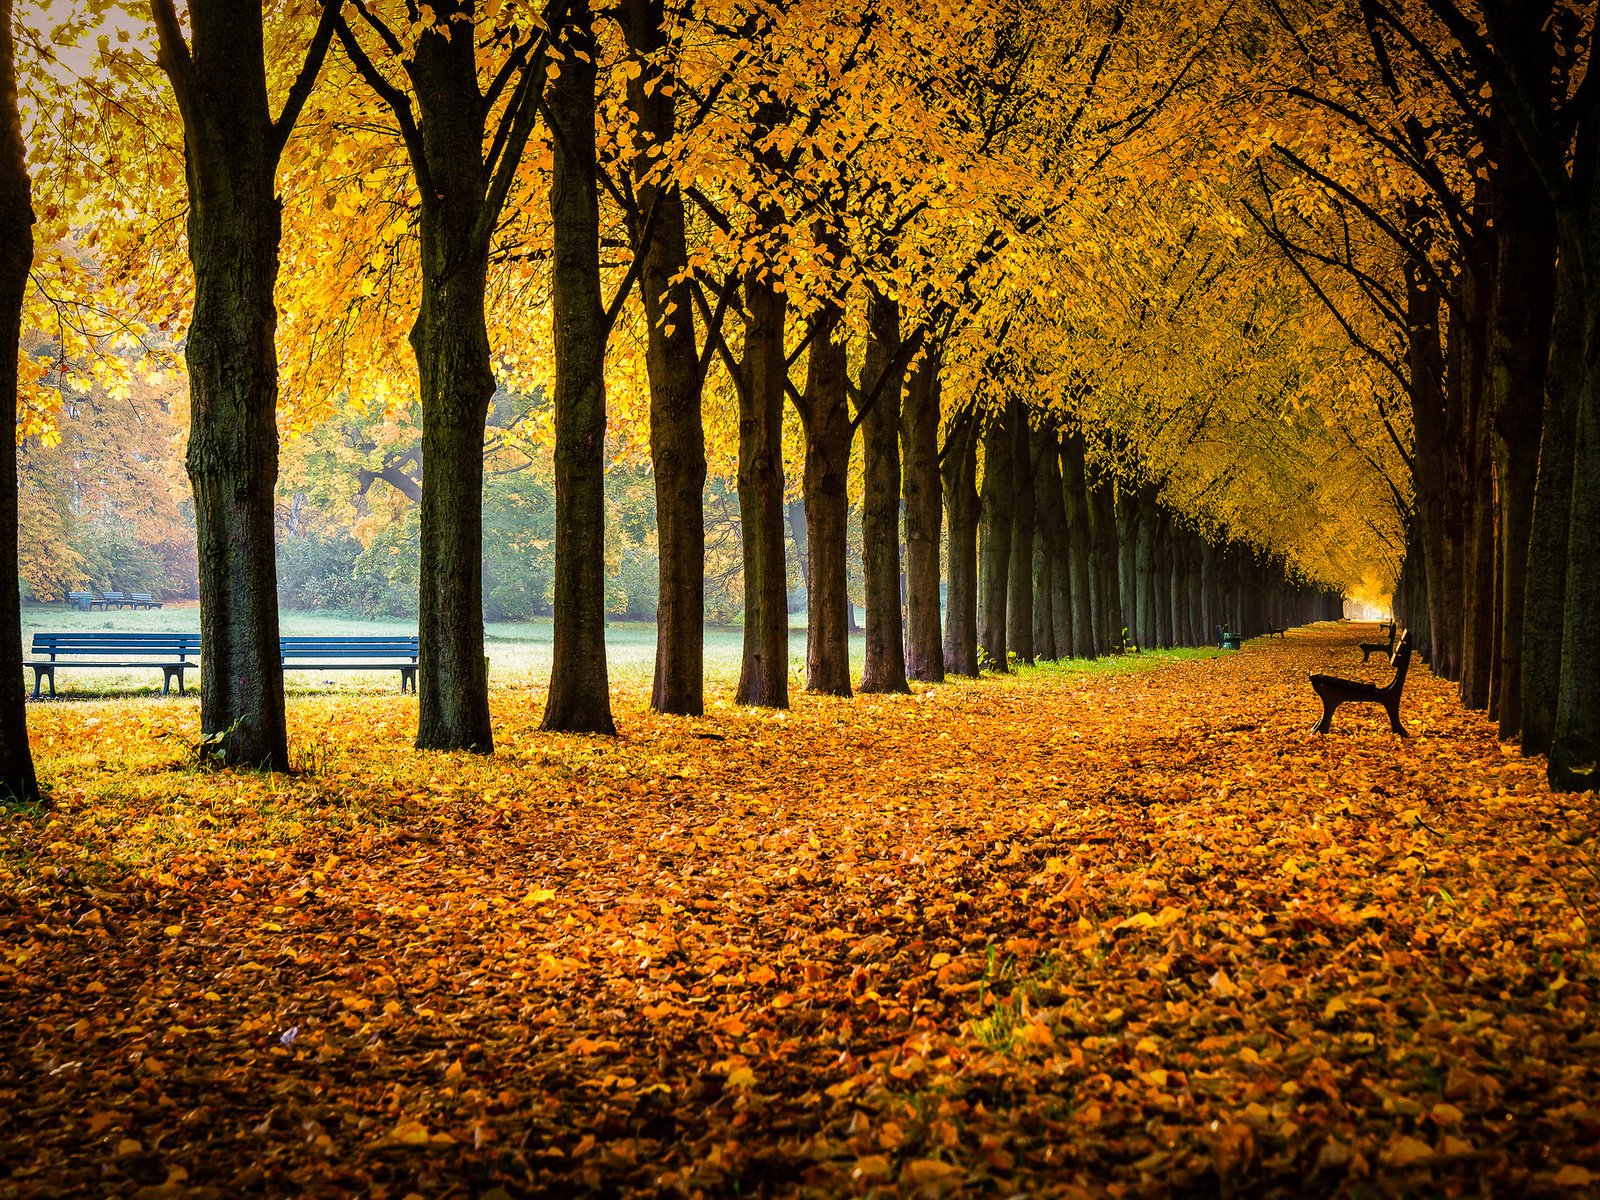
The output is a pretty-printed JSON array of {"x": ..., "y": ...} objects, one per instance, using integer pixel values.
[
  {"x": 677, "y": 375},
  {"x": 579, "y": 699},
  {"x": 17, "y": 778},
  {"x": 232, "y": 148},
  {"x": 464, "y": 166}
]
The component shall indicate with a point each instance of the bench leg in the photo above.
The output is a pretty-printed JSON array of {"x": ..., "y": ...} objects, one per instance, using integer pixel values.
[
  {"x": 180, "y": 681},
  {"x": 1329, "y": 707},
  {"x": 1392, "y": 707},
  {"x": 38, "y": 674},
  {"x": 408, "y": 675}
]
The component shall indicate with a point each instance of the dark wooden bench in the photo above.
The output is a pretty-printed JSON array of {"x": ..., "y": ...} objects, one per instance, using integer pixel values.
[
  {"x": 365, "y": 653},
  {"x": 1275, "y": 631},
  {"x": 113, "y": 599},
  {"x": 142, "y": 600},
  {"x": 1333, "y": 691},
  {"x": 84, "y": 601},
  {"x": 169, "y": 653},
  {"x": 1226, "y": 640},
  {"x": 1368, "y": 649}
]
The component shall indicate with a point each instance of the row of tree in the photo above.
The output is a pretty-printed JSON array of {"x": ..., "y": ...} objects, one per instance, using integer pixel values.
[
  {"x": 1458, "y": 141},
  {"x": 1107, "y": 300}
]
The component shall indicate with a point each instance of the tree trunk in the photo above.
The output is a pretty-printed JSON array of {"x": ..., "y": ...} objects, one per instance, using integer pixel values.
[
  {"x": 580, "y": 696},
  {"x": 919, "y": 443},
  {"x": 1469, "y": 336},
  {"x": 764, "y": 677},
  {"x": 1145, "y": 569},
  {"x": 677, "y": 433},
  {"x": 1544, "y": 599},
  {"x": 1077, "y": 550},
  {"x": 958, "y": 476},
  {"x": 1019, "y": 596},
  {"x": 881, "y": 383},
  {"x": 1128, "y": 524},
  {"x": 1575, "y": 748},
  {"x": 1107, "y": 594},
  {"x": 1519, "y": 349},
  {"x": 994, "y": 544},
  {"x": 1049, "y": 522},
  {"x": 234, "y": 231},
  {"x": 825, "y": 415},
  {"x": 1432, "y": 450},
  {"x": 18, "y": 783}
]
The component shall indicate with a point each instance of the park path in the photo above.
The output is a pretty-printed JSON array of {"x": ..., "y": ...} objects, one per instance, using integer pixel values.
[{"x": 1122, "y": 932}]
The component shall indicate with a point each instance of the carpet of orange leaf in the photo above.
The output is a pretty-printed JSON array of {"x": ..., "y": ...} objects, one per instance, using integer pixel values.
[{"x": 1131, "y": 934}]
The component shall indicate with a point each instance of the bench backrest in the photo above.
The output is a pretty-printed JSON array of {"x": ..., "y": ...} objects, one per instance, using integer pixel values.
[
  {"x": 80, "y": 595},
  {"x": 140, "y": 596},
  {"x": 348, "y": 647},
  {"x": 1400, "y": 660},
  {"x": 164, "y": 644}
]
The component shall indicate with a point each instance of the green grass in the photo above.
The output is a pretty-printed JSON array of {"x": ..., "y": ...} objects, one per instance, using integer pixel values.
[{"x": 519, "y": 652}]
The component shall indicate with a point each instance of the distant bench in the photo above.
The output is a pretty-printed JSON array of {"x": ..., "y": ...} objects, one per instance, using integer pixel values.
[
  {"x": 362, "y": 653},
  {"x": 169, "y": 653},
  {"x": 1368, "y": 649},
  {"x": 88, "y": 601},
  {"x": 173, "y": 654}
]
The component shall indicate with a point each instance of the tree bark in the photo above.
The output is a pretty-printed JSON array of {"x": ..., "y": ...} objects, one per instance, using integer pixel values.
[
  {"x": 234, "y": 225},
  {"x": 994, "y": 544},
  {"x": 958, "y": 477},
  {"x": 1077, "y": 548},
  {"x": 18, "y": 781},
  {"x": 1469, "y": 336},
  {"x": 677, "y": 432},
  {"x": 764, "y": 677},
  {"x": 882, "y": 380},
  {"x": 919, "y": 444},
  {"x": 825, "y": 416},
  {"x": 1107, "y": 593},
  {"x": 1019, "y": 596},
  {"x": 1128, "y": 523},
  {"x": 579, "y": 700},
  {"x": 1049, "y": 521},
  {"x": 1544, "y": 594},
  {"x": 1145, "y": 571}
]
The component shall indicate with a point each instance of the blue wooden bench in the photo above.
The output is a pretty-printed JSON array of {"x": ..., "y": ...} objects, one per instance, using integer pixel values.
[
  {"x": 137, "y": 600},
  {"x": 85, "y": 601},
  {"x": 169, "y": 653},
  {"x": 1226, "y": 640},
  {"x": 362, "y": 653}
]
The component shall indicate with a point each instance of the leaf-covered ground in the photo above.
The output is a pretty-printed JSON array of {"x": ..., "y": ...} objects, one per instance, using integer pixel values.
[{"x": 1130, "y": 933}]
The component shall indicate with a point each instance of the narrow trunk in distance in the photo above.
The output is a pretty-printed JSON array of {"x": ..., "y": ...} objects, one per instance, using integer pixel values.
[
  {"x": 1078, "y": 551},
  {"x": 764, "y": 677},
  {"x": 958, "y": 477},
  {"x": 994, "y": 544},
  {"x": 919, "y": 444},
  {"x": 884, "y": 669},
  {"x": 825, "y": 417},
  {"x": 1019, "y": 596}
]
